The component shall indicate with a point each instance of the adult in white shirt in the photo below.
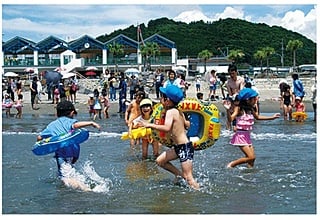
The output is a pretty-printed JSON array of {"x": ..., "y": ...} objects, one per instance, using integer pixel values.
[{"x": 39, "y": 90}]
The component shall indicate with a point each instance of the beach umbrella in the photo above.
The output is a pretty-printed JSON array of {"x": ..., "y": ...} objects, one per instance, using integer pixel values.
[
  {"x": 29, "y": 70},
  {"x": 10, "y": 74},
  {"x": 179, "y": 69},
  {"x": 132, "y": 71},
  {"x": 68, "y": 75},
  {"x": 91, "y": 73},
  {"x": 91, "y": 68},
  {"x": 52, "y": 76}
]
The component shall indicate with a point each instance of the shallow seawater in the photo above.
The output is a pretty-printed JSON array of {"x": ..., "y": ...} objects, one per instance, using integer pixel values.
[{"x": 283, "y": 180}]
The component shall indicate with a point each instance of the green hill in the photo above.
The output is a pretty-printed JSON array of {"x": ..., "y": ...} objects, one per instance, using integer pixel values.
[{"x": 226, "y": 34}]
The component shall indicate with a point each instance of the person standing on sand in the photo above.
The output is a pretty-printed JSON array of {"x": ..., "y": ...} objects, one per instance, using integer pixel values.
[
  {"x": 244, "y": 114},
  {"x": 212, "y": 85},
  {"x": 122, "y": 94},
  {"x": 159, "y": 80},
  {"x": 73, "y": 89},
  {"x": 198, "y": 84},
  {"x": 11, "y": 87},
  {"x": 172, "y": 79},
  {"x": 39, "y": 90},
  {"x": 133, "y": 84},
  {"x": 175, "y": 124},
  {"x": 34, "y": 92}
]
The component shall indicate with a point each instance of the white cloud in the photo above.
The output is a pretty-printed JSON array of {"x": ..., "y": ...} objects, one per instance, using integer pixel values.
[
  {"x": 96, "y": 20},
  {"x": 230, "y": 12},
  {"x": 293, "y": 20},
  {"x": 190, "y": 16},
  {"x": 61, "y": 29}
]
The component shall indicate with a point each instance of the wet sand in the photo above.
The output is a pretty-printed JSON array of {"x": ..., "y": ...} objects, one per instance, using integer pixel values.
[
  {"x": 267, "y": 88},
  {"x": 270, "y": 105}
]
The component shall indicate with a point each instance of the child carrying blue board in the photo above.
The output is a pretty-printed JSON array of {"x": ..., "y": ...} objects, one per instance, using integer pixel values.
[{"x": 67, "y": 155}]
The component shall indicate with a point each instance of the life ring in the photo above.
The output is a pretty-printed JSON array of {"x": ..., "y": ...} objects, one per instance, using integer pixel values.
[
  {"x": 302, "y": 115},
  {"x": 7, "y": 105},
  {"x": 205, "y": 125},
  {"x": 136, "y": 133},
  {"x": 51, "y": 144}
]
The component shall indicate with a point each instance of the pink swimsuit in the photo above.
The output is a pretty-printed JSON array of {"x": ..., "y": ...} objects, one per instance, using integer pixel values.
[{"x": 244, "y": 124}]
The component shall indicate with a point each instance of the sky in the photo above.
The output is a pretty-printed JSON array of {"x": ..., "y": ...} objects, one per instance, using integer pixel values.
[{"x": 39, "y": 20}]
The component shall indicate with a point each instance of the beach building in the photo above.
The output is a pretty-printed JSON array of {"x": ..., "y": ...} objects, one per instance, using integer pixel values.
[{"x": 21, "y": 55}]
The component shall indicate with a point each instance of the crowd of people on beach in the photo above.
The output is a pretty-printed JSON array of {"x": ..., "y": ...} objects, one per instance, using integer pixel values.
[{"x": 239, "y": 96}]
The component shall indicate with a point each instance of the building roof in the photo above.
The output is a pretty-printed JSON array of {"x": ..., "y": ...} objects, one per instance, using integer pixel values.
[
  {"x": 162, "y": 41},
  {"x": 19, "y": 45},
  {"x": 123, "y": 40},
  {"x": 50, "y": 44},
  {"x": 53, "y": 44},
  {"x": 86, "y": 42}
]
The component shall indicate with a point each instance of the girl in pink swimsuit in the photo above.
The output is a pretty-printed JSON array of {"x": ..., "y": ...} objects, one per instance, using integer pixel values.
[{"x": 245, "y": 114}]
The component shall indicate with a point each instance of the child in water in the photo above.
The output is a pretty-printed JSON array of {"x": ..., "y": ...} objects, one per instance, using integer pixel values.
[
  {"x": 300, "y": 107},
  {"x": 133, "y": 111},
  {"x": 90, "y": 104},
  {"x": 244, "y": 114},
  {"x": 286, "y": 102},
  {"x": 7, "y": 104},
  {"x": 67, "y": 156},
  {"x": 175, "y": 124},
  {"x": 146, "y": 112},
  {"x": 18, "y": 105}
]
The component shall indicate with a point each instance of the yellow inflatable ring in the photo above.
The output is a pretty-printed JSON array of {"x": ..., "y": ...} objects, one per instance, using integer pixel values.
[
  {"x": 296, "y": 115},
  {"x": 205, "y": 123},
  {"x": 136, "y": 133}
]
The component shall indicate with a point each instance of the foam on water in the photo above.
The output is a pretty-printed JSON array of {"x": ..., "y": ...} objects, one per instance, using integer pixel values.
[{"x": 275, "y": 135}]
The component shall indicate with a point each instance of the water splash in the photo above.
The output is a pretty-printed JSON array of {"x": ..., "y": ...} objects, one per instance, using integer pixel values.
[{"x": 97, "y": 183}]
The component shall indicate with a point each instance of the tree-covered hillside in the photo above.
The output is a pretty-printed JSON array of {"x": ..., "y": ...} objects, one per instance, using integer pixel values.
[{"x": 224, "y": 35}]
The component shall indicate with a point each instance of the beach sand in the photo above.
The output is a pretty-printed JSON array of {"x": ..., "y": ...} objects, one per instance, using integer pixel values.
[{"x": 268, "y": 90}]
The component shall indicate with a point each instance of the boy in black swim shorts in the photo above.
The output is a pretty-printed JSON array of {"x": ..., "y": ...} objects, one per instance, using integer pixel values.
[{"x": 175, "y": 124}]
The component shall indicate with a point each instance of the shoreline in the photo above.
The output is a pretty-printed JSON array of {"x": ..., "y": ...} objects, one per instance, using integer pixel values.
[
  {"x": 268, "y": 96},
  {"x": 271, "y": 105}
]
